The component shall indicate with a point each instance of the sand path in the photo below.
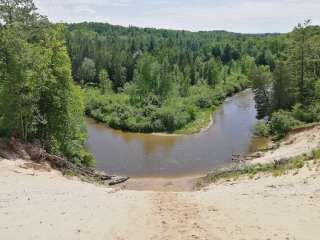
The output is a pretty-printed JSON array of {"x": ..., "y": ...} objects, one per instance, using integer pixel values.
[{"x": 45, "y": 205}]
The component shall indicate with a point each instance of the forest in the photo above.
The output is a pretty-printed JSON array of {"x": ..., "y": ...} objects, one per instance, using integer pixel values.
[
  {"x": 145, "y": 79},
  {"x": 39, "y": 101},
  {"x": 149, "y": 80},
  {"x": 288, "y": 95}
]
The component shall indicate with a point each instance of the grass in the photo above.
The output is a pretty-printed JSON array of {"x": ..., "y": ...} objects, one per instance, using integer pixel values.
[
  {"x": 316, "y": 154},
  {"x": 275, "y": 169},
  {"x": 202, "y": 120}
]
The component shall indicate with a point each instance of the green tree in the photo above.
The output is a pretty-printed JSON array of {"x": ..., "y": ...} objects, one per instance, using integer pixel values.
[
  {"x": 147, "y": 75},
  {"x": 165, "y": 79},
  {"x": 61, "y": 103},
  {"x": 284, "y": 89},
  {"x": 213, "y": 69},
  {"x": 299, "y": 51},
  {"x": 19, "y": 83},
  {"x": 19, "y": 11},
  {"x": 261, "y": 79},
  {"x": 36, "y": 81},
  {"x": 87, "y": 71},
  {"x": 185, "y": 82},
  {"x": 104, "y": 81}
]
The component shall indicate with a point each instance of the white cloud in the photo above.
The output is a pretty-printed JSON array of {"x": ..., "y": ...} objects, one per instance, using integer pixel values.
[
  {"x": 84, "y": 9},
  {"x": 232, "y": 15}
]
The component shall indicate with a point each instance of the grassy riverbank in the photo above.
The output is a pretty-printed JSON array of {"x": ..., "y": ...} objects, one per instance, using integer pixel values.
[
  {"x": 174, "y": 115},
  {"x": 299, "y": 149},
  {"x": 202, "y": 121},
  {"x": 275, "y": 169}
]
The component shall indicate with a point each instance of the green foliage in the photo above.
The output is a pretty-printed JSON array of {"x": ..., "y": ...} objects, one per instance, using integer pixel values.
[
  {"x": 19, "y": 11},
  {"x": 317, "y": 90},
  {"x": 104, "y": 81},
  {"x": 87, "y": 72},
  {"x": 281, "y": 122},
  {"x": 294, "y": 85},
  {"x": 198, "y": 56},
  {"x": 38, "y": 99},
  {"x": 155, "y": 114},
  {"x": 284, "y": 91},
  {"x": 261, "y": 79},
  {"x": 251, "y": 170},
  {"x": 262, "y": 129},
  {"x": 307, "y": 114},
  {"x": 162, "y": 80},
  {"x": 316, "y": 154}
]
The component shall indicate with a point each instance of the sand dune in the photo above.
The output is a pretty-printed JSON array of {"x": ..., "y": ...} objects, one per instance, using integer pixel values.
[{"x": 36, "y": 204}]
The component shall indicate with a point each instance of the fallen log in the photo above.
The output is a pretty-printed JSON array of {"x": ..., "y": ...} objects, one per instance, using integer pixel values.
[
  {"x": 104, "y": 178},
  {"x": 13, "y": 148},
  {"x": 118, "y": 181},
  {"x": 281, "y": 161}
]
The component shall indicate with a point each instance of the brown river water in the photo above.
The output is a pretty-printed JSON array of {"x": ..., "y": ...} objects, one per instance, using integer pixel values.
[{"x": 147, "y": 155}]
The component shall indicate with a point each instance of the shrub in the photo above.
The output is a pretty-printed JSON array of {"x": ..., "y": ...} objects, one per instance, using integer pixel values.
[
  {"x": 128, "y": 111},
  {"x": 282, "y": 122},
  {"x": 316, "y": 154},
  {"x": 262, "y": 129},
  {"x": 88, "y": 160},
  {"x": 203, "y": 102}
]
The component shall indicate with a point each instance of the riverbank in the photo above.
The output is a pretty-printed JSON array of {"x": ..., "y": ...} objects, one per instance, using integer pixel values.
[
  {"x": 296, "y": 143},
  {"x": 202, "y": 123},
  {"x": 147, "y": 155},
  {"x": 40, "y": 203},
  {"x": 179, "y": 117}
]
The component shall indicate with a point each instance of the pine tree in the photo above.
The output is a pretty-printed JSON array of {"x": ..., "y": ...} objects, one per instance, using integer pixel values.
[
  {"x": 104, "y": 81},
  {"x": 284, "y": 90}
]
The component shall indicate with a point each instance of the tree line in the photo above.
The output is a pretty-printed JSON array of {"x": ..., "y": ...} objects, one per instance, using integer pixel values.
[
  {"x": 288, "y": 95},
  {"x": 39, "y": 101},
  {"x": 146, "y": 80}
]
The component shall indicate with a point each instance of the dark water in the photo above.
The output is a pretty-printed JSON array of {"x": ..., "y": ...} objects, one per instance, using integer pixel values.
[{"x": 146, "y": 155}]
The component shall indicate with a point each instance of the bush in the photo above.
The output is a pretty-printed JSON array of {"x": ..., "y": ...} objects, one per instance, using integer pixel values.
[
  {"x": 282, "y": 122},
  {"x": 262, "y": 129},
  {"x": 316, "y": 154},
  {"x": 309, "y": 114},
  {"x": 128, "y": 111},
  {"x": 88, "y": 160},
  {"x": 172, "y": 118},
  {"x": 203, "y": 102}
]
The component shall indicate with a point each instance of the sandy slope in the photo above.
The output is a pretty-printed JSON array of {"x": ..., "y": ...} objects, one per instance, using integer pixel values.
[
  {"x": 45, "y": 205},
  {"x": 37, "y": 204},
  {"x": 294, "y": 145}
]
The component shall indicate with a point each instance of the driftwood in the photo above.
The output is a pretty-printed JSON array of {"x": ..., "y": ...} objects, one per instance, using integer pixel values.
[
  {"x": 281, "y": 161},
  {"x": 237, "y": 158},
  {"x": 118, "y": 180},
  {"x": 13, "y": 149}
]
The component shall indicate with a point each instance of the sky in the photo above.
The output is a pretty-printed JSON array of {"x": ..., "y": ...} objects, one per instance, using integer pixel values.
[{"x": 246, "y": 16}]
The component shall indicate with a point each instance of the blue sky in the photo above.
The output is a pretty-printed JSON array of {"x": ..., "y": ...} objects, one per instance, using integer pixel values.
[{"x": 250, "y": 16}]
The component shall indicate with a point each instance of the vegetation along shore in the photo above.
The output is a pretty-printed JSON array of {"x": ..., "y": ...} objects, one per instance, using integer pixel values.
[{"x": 159, "y": 81}]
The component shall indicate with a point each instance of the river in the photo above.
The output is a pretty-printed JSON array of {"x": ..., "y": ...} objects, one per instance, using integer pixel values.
[{"x": 146, "y": 155}]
